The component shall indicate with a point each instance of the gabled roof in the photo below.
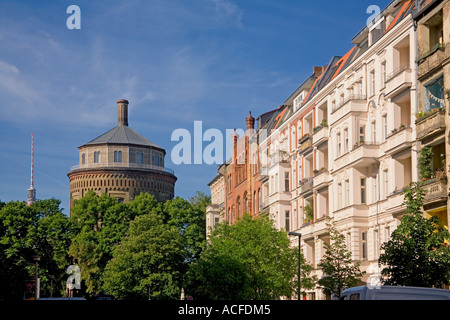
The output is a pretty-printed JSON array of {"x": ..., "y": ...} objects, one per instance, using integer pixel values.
[{"x": 122, "y": 135}]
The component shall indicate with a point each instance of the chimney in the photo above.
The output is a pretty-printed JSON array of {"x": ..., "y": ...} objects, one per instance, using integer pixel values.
[
  {"x": 122, "y": 106},
  {"x": 317, "y": 71}
]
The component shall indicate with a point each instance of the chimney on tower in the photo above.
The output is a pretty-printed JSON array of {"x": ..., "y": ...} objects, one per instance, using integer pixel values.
[{"x": 122, "y": 106}]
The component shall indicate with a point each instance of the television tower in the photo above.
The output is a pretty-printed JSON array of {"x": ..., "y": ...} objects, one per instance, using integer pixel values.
[{"x": 32, "y": 190}]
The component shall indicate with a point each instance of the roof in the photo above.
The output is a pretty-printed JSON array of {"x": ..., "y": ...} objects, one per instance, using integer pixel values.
[{"x": 123, "y": 135}]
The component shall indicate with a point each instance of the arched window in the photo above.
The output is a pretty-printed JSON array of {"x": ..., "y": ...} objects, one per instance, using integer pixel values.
[
  {"x": 259, "y": 200},
  {"x": 254, "y": 202},
  {"x": 245, "y": 203},
  {"x": 238, "y": 205}
]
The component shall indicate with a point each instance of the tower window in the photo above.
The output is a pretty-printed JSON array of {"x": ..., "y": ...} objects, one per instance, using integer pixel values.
[
  {"x": 117, "y": 156},
  {"x": 139, "y": 157},
  {"x": 96, "y": 156}
]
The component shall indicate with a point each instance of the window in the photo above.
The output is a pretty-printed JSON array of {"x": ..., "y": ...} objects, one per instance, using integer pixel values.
[
  {"x": 363, "y": 190},
  {"x": 339, "y": 195},
  {"x": 338, "y": 144},
  {"x": 157, "y": 160},
  {"x": 83, "y": 158},
  {"x": 276, "y": 182},
  {"x": 386, "y": 183},
  {"x": 347, "y": 192},
  {"x": 286, "y": 181},
  {"x": 433, "y": 94},
  {"x": 259, "y": 199},
  {"x": 362, "y": 134},
  {"x": 238, "y": 206},
  {"x": 139, "y": 157},
  {"x": 364, "y": 245},
  {"x": 375, "y": 189},
  {"x": 372, "y": 83},
  {"x": 376, "y": 245},
  {"x": 385, "y": 130},
  {"x": 287, "y": 220},
  {"x": 345, "y": 140},
  {"x": 254, "y": 202},
  {"x": 348, "y": 241},
  {"x": 245, "y": 203},
  {"x": 96, "y": 156},
  {"x": 387, "y": 233},
  {"x": 117, "y": 156},
  {"x": 216, "y": 221},
  {"x": 383, "y": 74},
  {"x": 374, "y": 132}
]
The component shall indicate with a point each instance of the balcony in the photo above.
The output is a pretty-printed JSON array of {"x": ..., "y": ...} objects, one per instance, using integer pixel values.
[
  {"x": 305, "y": 144},
  {"x": 362, "y": 154},
  {"x": 353, "y": 103},
  {"x": 435, "y": 191},
  {"x": 433, "y": 59},
  {"x": 398, "y": 81},
  {"x": 320, "y": 135},
  {"x": 318, "y": 226},
  {"x": 431, "y": 124},
  {"x": 399, "y": 140},
  {"x": 306, "y": 185},
  {"x": 321, "y": 178}
]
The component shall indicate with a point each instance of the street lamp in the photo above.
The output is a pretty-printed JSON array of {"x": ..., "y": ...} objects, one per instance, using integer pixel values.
[
  {"x": 299, "y": 235},
  {"x": 36, "y": 259}
]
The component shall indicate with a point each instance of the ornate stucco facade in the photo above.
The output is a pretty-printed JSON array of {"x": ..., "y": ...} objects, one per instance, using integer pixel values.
[{"x": 348, "y": 140}]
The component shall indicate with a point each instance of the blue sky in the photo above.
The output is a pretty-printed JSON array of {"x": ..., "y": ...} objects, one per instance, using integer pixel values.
[{"x": 176, "y": 61}]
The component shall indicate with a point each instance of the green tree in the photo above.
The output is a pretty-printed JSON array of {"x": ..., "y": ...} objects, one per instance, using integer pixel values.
[
  {"x": 247, "y": 260},
  {"x": 147, "y": 263},
  {"x": 416, "y": 254},
  {"x": 189, "y": 218},
  {"x": 25, "y": 231},
  {"x": 340, "y": 271},
  {"x": 100, "y": 223},
  {"x": 425, "y": 163}
]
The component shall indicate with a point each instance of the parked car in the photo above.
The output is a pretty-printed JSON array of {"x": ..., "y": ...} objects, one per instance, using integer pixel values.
[{"x": 394, "y": 293}]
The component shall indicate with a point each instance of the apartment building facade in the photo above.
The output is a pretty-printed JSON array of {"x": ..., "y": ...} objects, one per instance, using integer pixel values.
[
  {"x": 347, "y": 142},
  {"x": 432, "y": 19}
]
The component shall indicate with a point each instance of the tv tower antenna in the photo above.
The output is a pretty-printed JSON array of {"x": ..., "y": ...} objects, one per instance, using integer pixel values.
[{"x": 32, "y": 190}]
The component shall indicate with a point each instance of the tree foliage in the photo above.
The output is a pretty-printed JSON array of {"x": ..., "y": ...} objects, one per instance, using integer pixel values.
[
  {"x": 247, "y": 260},
  {"x": 340, "y": 271},
  {"x": 26, "y": 231},
  {"x": 148, "y": 263},
  {"x": 417, "y": 253}
]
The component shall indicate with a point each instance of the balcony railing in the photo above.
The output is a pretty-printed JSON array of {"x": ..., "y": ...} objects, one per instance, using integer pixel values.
[
  {"x": 306, "y": 185},
  {"x": 305, "y": 143},
  {"x": 396, "y": 72},
  {"x": 429, "y": 124},
  {"x": 435, "y": 190},
  {"x": 121, "y": 165},
  {"x": 351, "y": 97}
]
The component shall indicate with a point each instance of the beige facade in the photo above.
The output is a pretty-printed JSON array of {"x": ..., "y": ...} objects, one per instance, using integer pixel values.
[
  {"x": 433, "y": 83},
  {"x": 351, "y": 140}
]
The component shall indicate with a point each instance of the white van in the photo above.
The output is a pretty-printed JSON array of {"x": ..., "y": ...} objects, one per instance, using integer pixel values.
[{"x": 394, "y": 293}]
